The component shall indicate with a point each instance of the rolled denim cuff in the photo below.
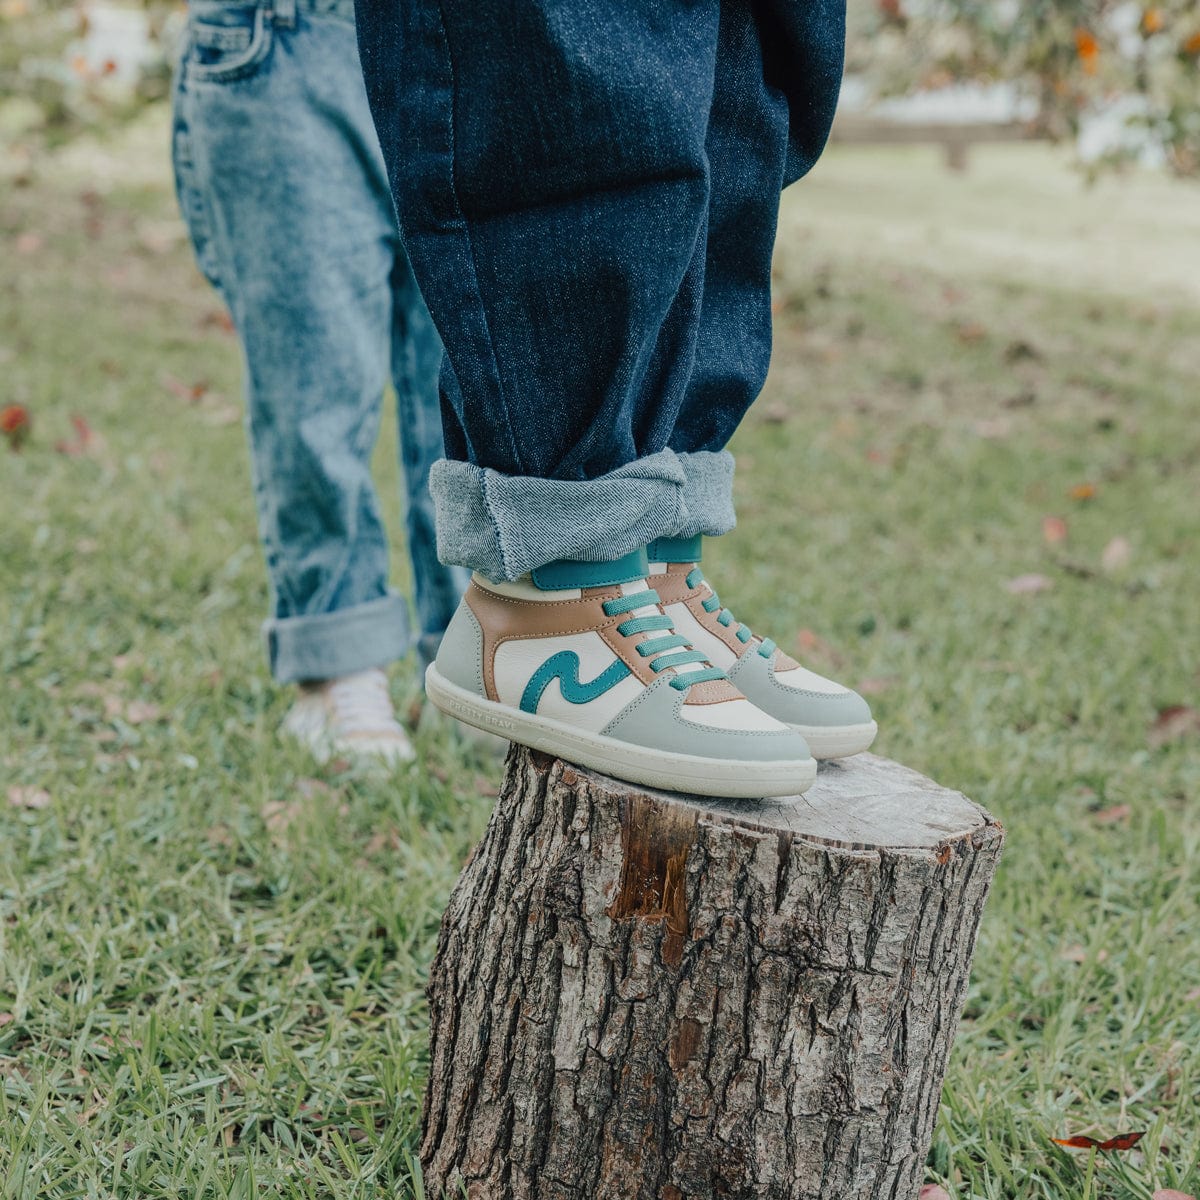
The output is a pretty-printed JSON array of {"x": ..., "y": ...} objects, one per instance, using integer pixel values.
[
  {"x": 707, "y": 506},
  {"x": 505, "y": 525},
  {"x": 326, "y": 645}
]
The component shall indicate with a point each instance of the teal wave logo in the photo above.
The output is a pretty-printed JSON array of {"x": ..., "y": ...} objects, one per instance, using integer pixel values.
[{"x": 564, "y": 666}]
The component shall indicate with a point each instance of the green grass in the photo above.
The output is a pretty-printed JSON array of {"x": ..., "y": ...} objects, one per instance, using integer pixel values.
[{"x": 212, "y": 953}]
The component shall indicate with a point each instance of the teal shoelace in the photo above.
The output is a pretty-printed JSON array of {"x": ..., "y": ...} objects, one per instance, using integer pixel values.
[
  {"x": 670, "y": 650},
  {"x": 695, "y": 577}
]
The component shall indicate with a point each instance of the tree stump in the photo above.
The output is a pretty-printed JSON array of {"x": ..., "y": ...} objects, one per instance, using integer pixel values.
[{"x": 646, "y": 996}]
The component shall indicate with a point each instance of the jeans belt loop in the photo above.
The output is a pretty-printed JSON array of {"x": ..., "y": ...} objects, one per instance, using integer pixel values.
[{"x": 282, "y": 13}]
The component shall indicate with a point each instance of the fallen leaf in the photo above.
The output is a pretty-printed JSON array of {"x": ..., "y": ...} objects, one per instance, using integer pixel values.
[
  {"x": 187, "y": 392},
  {"x": 1171, "y": 1194},
  {"x": 1021, "y": 399},
  {"x": 138, "y": 712},
  {"x": 15, "y": 424},
  {"x": 993, "y": 428},
  {"x": 933, "y": 1191},
  {"x": 1172, "y": 723},
  {"x": 1028, "y": 585},
  {"x": 1113, "y": 814},
  {"x": 775, "y": 414},
  {"x": 1123, "y": 1141},
  {"x": 85, "y": 440},
  {"x": 223, "y": 414},
  {"x": 876, "y": 686},
  {"x": 1083, "y": 491},
  {"x": 160, "y": 237},
  {"x": 812, "y": 644},
  {"x": 1054, "y": 530},
  {"x": 28, "y": 797},
  {"x": 219, "y": 836},
  {"x": 969, "y": 332},
  {"x": 1020, "y": 350},
  {"x": 279, "y": 814},
  {"x": 29, "y": 243},
  {"x": 1116, "y": 554},
  {"x": 218, "y": 318},
  {"x": 6, "y": 1018}
]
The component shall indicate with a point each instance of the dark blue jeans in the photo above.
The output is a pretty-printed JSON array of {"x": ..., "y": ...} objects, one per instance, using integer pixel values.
[{"x": 588, "y": 191}]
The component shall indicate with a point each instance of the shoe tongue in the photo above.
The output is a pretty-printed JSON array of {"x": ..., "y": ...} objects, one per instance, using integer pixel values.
[
  {"x": 675, "y": 550},
  {"x": 566, "y": 573}
]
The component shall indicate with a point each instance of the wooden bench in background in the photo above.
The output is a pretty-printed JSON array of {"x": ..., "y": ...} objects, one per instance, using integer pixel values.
[{"x": 956, "y": 139}]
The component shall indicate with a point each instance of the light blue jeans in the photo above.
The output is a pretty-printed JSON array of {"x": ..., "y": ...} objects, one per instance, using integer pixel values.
[{"x": 283, "y": 187}]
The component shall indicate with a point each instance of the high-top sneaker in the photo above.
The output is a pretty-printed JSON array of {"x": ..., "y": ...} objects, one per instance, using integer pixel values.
[
  {"x": 835, "y": 721},
  {"x": 579, "y": 660}
]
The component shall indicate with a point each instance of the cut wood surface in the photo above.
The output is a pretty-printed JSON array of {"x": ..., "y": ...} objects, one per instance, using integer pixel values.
[{"x": 646, "y": 995}]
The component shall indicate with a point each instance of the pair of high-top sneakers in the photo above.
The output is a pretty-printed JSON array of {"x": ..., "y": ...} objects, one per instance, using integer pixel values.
[{"x": 634, "y": 668}]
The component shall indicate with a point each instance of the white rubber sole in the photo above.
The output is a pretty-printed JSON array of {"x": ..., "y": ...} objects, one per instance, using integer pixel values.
[
  {"x": 743, "y": 779},
  {"x": 839, "y": 742}
]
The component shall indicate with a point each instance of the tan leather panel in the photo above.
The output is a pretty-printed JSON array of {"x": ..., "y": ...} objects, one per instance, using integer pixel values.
[
  {"x": 785, "y": 662},
  {"x": 712, "y": 691},
  {"x": 672, "y": 587},
  {"x": 502, "y": 618}
]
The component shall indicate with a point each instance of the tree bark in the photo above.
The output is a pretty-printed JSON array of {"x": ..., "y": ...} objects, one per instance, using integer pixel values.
[{"x": 647, "y": 996}]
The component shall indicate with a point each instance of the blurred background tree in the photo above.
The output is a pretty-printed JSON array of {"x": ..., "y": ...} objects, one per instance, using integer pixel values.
[
  {"x": 67, "y": 66},
  {"x": 1068, "y": 59}
]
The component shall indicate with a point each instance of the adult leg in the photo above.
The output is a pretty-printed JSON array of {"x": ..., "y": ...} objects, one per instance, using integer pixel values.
[
  {"x": 551, "y": 179},
  {"x": 274, "y": 152}
]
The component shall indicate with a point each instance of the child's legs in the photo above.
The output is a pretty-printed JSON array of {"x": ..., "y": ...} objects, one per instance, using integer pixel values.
[
  {"x": 274, "y": 150},
  {"x": 551, "y": 177},
  {"x": 777, "y": 81}
]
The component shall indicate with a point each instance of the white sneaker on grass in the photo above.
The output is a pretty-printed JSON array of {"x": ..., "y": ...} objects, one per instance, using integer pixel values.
[
  {"x": 580, "y": 661},
  {"x": 352, "y": 716}
]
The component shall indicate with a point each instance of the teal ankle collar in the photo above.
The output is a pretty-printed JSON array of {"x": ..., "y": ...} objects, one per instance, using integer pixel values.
[
  {"x": 567, "y": 573},
  {"x": 675, "y": 549}
]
